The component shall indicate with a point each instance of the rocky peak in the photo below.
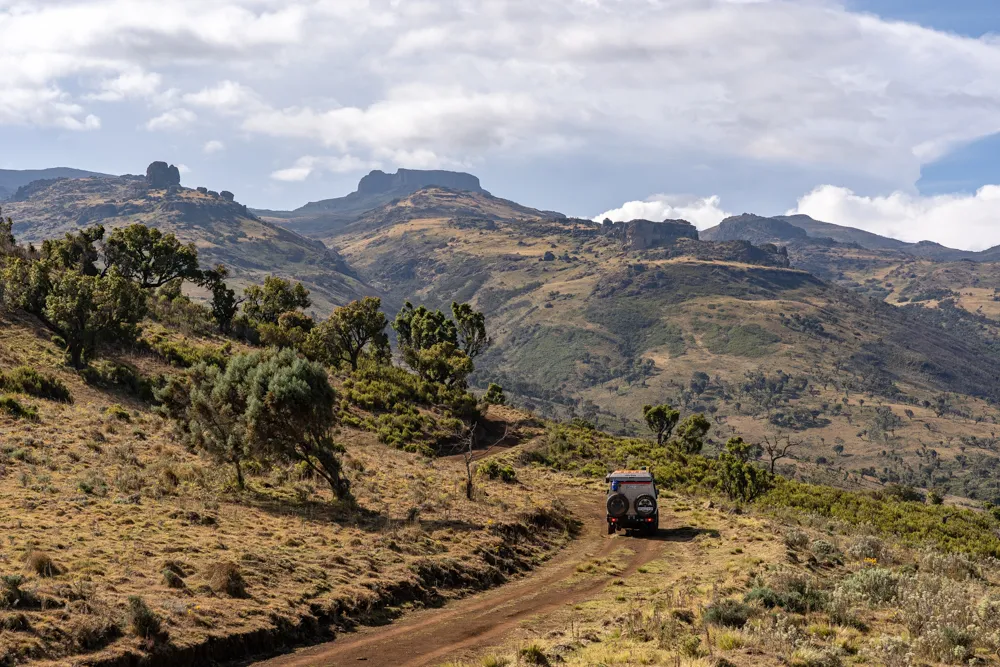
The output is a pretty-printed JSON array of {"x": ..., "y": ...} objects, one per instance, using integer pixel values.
[
  {"x": 413, "y": 179},
  {"x": 159, "y": 175},
  {"x": 645, "y": 234}
]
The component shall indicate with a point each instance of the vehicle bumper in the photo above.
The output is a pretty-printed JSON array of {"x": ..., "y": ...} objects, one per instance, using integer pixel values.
[{"x": 634, "y": 521}]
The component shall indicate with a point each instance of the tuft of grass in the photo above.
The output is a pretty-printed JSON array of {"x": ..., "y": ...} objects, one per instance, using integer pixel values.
[
  {"x": 227, "y": 578},
  {"x": 15, "y": 409},
  {"x": 41, "y": 564}
]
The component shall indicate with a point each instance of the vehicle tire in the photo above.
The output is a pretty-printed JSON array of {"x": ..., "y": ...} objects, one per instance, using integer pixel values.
[
  {"x": 645, "y": 505},
  {"x": 611, "y": 529},
  {"x": 617, "y": 505}
]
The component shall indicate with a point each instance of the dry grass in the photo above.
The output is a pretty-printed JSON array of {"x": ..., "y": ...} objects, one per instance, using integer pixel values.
[{"x": 95, "y": 510}]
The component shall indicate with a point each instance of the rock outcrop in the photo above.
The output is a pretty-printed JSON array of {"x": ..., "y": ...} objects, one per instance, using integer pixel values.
[
  {"x": 411, "y": 180},
  {"x": 161, "y": 176},
  {"x": 646, "y": 234}
]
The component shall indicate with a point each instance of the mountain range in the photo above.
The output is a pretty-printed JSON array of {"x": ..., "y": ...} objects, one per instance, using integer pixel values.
[{"x": 765, "y": 323}]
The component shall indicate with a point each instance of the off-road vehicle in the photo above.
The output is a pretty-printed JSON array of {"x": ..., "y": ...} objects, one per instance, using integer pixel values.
[{"x": 632, "y": 502}]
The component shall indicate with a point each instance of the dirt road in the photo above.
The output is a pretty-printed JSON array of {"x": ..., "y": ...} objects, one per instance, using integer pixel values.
[{"x": 432, "y": 636}]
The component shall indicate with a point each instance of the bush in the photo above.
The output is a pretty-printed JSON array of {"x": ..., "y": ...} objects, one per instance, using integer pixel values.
[
  {"x": 874, "y": 585},
  {"x": 796, "y": 539},
  {"x": 729, "y": 613},
  {"x": 142, "y": 621},
  {"x": 494, "y": 469},
  {"x": 115, "y": 411},
  {"x": 112, "y": 375},
  {"x": 870, "y": 548},
  {"x": 11, "y": 595},
  {"x": 533, "y": 654},
  {"x": 766, "y": 597},
  {"x": 15, "y": 409},
  {"x": 26, "y": 380}
]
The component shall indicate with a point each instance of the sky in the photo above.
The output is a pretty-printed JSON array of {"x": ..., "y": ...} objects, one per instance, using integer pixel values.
[{"x": 880, "y": 114}]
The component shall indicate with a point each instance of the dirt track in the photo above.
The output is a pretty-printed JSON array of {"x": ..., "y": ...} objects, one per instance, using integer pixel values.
[{"x": 432, "y": 636}]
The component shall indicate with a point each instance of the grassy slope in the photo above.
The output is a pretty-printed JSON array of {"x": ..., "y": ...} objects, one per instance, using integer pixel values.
[
  {"x": 113, "y": 501},
  {"x": 223, "y": 231}
]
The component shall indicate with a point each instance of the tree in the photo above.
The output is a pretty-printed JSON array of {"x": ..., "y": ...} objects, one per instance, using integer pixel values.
[
  {"x": 466, "y": 444},
  {"x": 739, "y": 478},
  {"x": 471, "y": 326},
  {"x": 267, "y": 302},
  {"x": 691, "y": 434},
  {"x": 494, "y": 395},
  {"x": 149, "y": 257},
  {"x": 430, "y": 345},
  {"x": 207, "y": 405},
  {"x": 87, "y": 311},
  {"x": 224, "y": 301},
  {"x": 776, "y": 450},
  {"x": 290, "y": 413},
  {"x": 269, "y": 405},
  {"x": 350, "y": 331},
  {"x": 291, "y": 330},
  {"x": 661, "y": 420},
  {"x": 421, "y": 328},
  {"x": 75, "y": 251}
]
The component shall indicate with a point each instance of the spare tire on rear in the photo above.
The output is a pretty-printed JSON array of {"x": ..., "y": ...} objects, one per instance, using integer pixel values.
[
  {"x": 617, "y": 505},
  {"x": 645, "y": 505}
]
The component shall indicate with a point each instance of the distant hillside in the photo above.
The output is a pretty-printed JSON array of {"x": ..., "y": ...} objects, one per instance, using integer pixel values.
[
  {"x": 12, "y": 179},
  {"x": 223, "y": 229},
  {"x": 784, "y": 228},
  {"x": 322, "y": 218}
]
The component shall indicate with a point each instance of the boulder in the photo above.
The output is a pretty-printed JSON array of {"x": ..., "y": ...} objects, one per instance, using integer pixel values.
[
  {"x": 227, "y": 195},
  {"x": 160, "y": 175}
]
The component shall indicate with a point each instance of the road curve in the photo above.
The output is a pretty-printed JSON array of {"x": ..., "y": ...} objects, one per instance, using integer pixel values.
[{"x": 430, "y": 636}]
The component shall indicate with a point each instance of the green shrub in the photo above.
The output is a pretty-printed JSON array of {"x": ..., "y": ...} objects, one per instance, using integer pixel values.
[
  {"x": 947, "y": 529},
  {"x": 533, "y": 654},
  {"x": 142, "y": 621},
  {"x": 113, "y": 375},
  {"x": 728, "y": 613},
  {"x": 26, "y": 380},
  {"x": 115, "y": 411},
  {"x": 15, "y": 409},
  {"x": 764, "y": 596},
  {"x": 12, "y": 596},
  {"x": 494, "y": 469}
]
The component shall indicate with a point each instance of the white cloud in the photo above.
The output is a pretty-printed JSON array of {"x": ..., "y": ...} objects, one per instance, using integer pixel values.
[
  {"x": 174, "y": 119},
  {"x": 456, "y": 82},
  {"x": 132, "y": 84},
  {"x": 702, "y": 212},
  {"x": 968, "y": 222},
  {"x": 309, "y": 164},
  {"x": 213, "y": 146},
  {"x": 226, "y": 97},
  {"x": 184, "y": 169}
]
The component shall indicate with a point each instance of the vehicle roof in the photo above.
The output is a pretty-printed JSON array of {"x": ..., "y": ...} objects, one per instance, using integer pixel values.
[{"x": 631, "y": 474}]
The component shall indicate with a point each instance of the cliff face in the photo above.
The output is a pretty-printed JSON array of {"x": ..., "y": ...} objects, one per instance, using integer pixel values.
[{"x": 645, "y": 234}]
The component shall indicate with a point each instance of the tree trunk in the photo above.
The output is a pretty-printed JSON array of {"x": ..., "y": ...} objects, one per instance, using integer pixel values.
[{"x": 240, "y": 482}]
